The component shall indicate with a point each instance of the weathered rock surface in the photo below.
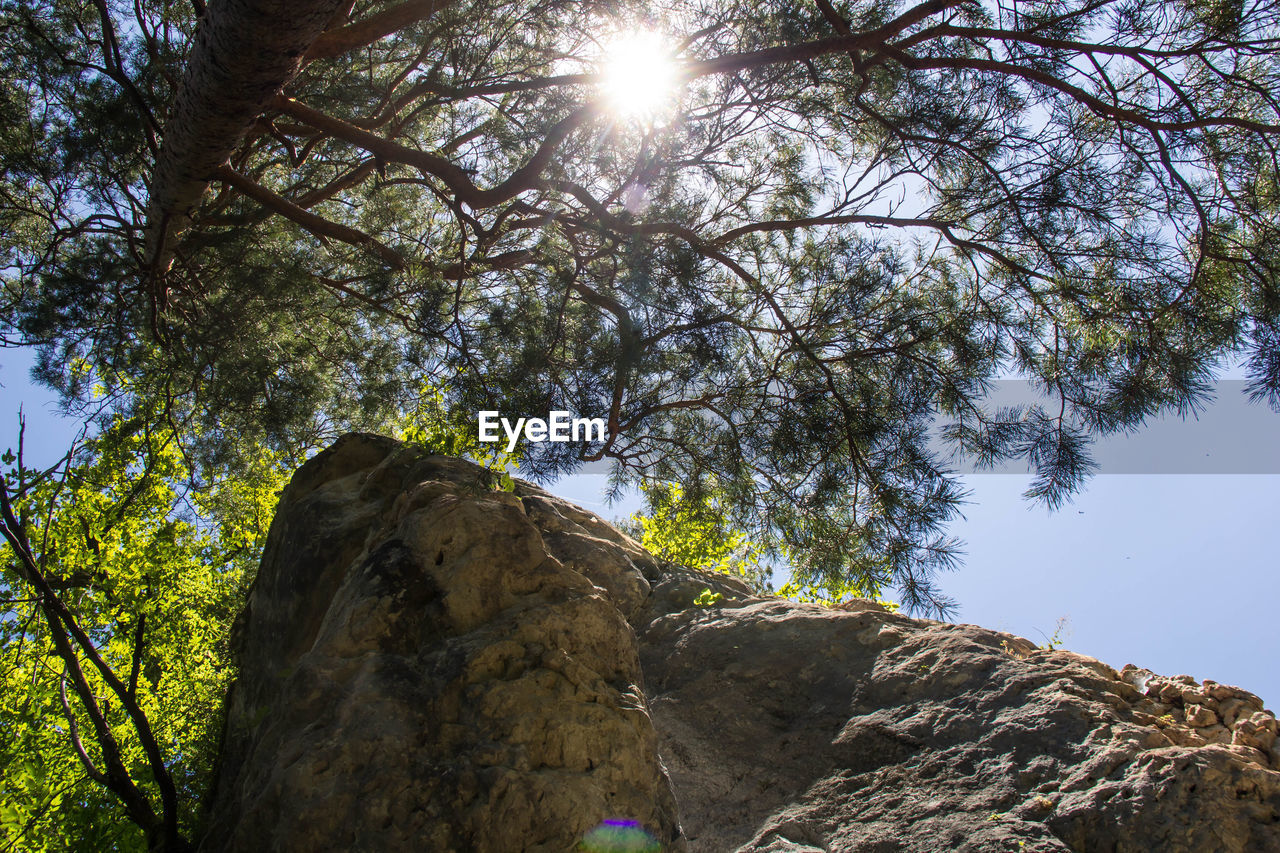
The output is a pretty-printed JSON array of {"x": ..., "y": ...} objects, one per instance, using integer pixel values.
[
  {"x": 430, "y": 664},
  {"x": 789, "y": 727},
  {"x": 419, "y": 672}
]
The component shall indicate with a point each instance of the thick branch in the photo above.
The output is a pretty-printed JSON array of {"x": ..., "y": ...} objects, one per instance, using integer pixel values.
[
  {"x": 318, "y": 225},
  {"x": 525, "y": 178},
  {"x": 1099, "y": 106},
  {"x": 820, "y": 47},
  {"x": 810, "y": 221},
  {"x": 376, "y": 26},
  {"x": 505, "y": 261}
]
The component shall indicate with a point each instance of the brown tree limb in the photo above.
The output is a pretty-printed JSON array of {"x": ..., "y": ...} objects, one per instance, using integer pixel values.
[
  {"x": 136, "y": 667},
  {"x": 1099, "y": 106},
  {"x": 77, "y": 743},
  {"x": 844, "y": 219},
  {"x": 379, "y": 25},
  {"x": 337, "y": 185},
  {"x": 456, "y": 178},
  {"x": 317, "y": 225},
  {"x": 505, "y": 261},
  {"x": 820, "y": 47}
]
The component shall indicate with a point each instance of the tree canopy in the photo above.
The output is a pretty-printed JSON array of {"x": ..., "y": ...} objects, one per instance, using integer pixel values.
[{"x": 288, "y": 219}]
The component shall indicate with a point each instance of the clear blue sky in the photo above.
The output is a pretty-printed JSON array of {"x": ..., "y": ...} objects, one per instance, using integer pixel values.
[{"x": 1175, "y": 572}]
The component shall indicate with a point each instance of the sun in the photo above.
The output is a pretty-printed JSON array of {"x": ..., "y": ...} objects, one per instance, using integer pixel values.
[{"x": 639, "y": 77}]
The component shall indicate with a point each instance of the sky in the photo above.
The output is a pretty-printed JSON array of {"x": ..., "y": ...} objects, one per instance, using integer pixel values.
[{"x": 1174, "y": 571}]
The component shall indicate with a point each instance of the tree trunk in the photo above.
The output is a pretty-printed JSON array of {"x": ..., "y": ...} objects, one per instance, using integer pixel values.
[{"x": 244, "y": 51}]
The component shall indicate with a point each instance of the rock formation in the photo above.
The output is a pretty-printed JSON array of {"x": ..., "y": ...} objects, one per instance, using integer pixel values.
[{"x": 432, "y": 664}]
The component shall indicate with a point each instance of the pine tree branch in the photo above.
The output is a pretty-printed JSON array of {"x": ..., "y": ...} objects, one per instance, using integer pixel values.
[
  {"x": 525, "y": 178},
  {"x": 366, "y": 31},
  {"x": 317, "y": 225}
]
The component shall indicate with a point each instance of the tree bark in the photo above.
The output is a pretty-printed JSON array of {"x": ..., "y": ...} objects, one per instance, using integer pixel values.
[{"x": 244, "y": 51}]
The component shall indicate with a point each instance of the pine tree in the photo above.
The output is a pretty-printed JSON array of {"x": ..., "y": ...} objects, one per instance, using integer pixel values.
[{"x": 287, "y": 219}]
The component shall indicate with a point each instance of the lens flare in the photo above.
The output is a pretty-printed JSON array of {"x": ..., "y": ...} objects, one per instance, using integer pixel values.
[
  {"x": 638, "y": 76},
  {"x": 619, "y": 836}
]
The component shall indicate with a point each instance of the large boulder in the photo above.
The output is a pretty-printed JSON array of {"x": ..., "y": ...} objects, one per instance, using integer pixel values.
[{"x": 430, "y": 663}]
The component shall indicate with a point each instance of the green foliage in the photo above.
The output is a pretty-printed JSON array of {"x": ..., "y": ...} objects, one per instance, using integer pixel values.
[
  {"x": 695, "y": 533},
  {"x": 1060, "y": 633},
  {"x": 446, "y": 430},
  {"x": 154, "y": 570},
  {"x": 701, "y": 534},
  {"x": 831, "y": 592},
  {"x": 707, "y": 598}
]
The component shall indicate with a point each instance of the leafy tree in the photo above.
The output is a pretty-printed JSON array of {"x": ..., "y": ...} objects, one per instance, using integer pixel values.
[
  {"x": 286, "y": 218},
  {"x": 119, "y": 587},
  {"x": 696, "y": 534},
  {"x": 432, "y": 425}
]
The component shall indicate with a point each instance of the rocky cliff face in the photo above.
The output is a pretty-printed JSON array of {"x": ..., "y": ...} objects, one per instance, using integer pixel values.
[{"x": 430, "y": 664}]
